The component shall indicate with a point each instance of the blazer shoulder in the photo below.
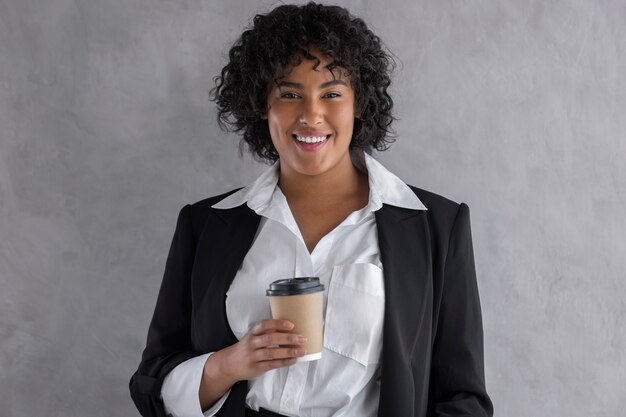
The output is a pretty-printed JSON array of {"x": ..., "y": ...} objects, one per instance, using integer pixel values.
[
  {"x": 435, "y": 202},
  {"x": 442, "y": 212},
  {"x": 199, "y": 212},
  {"x": 204, "y": 205}
]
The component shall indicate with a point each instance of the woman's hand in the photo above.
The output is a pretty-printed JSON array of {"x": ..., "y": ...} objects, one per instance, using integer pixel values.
[{"x": 268, "y": 345}]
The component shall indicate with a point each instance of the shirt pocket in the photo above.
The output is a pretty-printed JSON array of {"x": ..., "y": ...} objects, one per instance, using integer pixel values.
[{"x": 355, "y": 311}]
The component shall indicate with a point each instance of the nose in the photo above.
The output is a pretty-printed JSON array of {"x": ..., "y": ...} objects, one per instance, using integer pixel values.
[{"x": 311, "y": 112}]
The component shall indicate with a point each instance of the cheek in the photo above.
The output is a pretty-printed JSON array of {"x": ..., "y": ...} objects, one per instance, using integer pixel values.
[
  {"x": 275, "y": 135},
  {"x": 278, "y": 115},
  {"x": 343, "y": 116},
  {"x": 273, "y": 120},
  {"x": 276, "y": 129}
]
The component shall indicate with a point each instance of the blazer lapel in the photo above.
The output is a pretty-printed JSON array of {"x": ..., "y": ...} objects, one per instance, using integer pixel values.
[
  {"x": 227, "y": 237},
  {"x": 405, "y": 249}
]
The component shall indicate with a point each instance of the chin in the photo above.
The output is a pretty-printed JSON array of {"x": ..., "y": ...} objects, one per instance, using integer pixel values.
[
  {"x": 310, "y": 169},
  {"x": 311, "y": 172}
]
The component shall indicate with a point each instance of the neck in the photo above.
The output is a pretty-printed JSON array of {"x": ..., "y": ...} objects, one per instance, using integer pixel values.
[{"x": 330, "y": 187}]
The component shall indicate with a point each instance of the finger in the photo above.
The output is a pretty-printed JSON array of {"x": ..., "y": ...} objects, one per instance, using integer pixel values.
[
  {"x": 276, "y": 339},
  {"x": 271, "y": 325},
  {"x": 265, "y": 366},
  {"x": 271, "y": 354}
]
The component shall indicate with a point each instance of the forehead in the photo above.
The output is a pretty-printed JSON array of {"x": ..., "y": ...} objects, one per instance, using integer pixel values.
[{"x": 302, "y": 65}]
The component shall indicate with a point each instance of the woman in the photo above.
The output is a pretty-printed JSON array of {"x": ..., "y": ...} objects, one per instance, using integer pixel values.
[{"x": 307, "y": 86}]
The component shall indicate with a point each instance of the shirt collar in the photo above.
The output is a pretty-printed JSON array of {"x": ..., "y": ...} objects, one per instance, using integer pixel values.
[
  {"x": 385, "y": 188},
  {"x": 256, "y": 195}
]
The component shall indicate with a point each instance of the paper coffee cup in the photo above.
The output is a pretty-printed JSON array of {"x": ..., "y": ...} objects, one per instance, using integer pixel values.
[{"x": 300, "y": 300}]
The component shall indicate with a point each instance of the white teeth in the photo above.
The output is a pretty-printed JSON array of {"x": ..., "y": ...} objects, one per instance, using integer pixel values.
[{"x": 311, "y": 139}]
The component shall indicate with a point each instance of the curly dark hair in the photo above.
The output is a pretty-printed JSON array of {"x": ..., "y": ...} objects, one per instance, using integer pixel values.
[{"x": 278, "y": 40}]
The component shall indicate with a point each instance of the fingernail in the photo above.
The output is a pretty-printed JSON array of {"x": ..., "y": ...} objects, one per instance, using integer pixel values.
[
  {"x": 301, "y": 339},
  {"x": 300, "y": 352},
  {"x": 287, "y": 325}
]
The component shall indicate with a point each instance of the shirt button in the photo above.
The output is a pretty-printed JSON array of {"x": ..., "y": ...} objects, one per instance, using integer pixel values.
[{"x": 289, "y": 403}]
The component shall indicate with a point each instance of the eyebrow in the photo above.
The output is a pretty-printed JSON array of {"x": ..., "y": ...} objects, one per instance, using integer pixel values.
[{"x": 301, "y": 87}]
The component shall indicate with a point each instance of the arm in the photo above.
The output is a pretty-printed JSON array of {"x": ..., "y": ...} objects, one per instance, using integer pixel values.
[
  {"x": 169, "y": 338},
  {"x": 457, "y": 381},
  {"x": 169, "y": 341},
  {"x": 181, "y": 387}
]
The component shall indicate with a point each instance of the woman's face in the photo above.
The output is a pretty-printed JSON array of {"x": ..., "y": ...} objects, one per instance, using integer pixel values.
[{"x": 311, "y": 118}]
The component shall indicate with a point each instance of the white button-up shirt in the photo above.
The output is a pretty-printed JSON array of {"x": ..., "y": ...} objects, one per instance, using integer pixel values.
[{"x": 344, "y": 382}]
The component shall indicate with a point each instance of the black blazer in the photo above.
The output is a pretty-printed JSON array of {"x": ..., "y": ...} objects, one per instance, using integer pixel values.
[{"x": 432, "y": 355}]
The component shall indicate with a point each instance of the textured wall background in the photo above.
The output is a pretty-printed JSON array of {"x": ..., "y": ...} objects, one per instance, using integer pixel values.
[{"x": 513, "y": 106}]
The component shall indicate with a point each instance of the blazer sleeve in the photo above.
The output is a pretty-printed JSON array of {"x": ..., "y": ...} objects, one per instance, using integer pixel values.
[
  {"x": 457, "y": 380},
  {"x": 169, "y": 336}
]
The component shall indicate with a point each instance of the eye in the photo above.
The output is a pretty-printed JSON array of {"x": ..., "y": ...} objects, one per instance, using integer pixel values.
[
  {"x": 332, "y": 95},
  {"x": 289, "y": 95}
]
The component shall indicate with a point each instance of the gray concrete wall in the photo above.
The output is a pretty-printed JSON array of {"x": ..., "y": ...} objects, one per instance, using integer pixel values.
[{"x": 513, "y": 106}]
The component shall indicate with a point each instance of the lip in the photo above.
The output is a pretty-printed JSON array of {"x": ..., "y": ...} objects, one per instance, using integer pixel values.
[
  {"x": 312, "y": 133},
  {"x": 311, "y": 147}
]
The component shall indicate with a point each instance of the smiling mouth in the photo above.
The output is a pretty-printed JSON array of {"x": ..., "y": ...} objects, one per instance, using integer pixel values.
[{"x": 311, "y": 139}]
